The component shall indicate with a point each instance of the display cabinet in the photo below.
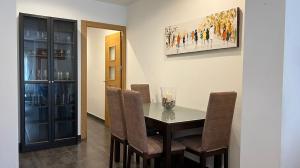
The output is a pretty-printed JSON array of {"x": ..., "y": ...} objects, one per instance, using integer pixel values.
[{"x": 48, "y": 82}]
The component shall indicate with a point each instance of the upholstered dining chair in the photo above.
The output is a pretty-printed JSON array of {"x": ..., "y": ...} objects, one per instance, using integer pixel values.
[
  {"x": 144, "y": 90},
  {"x": 138, "y": 141},
  {"x": 118, "y": 126},
  {"x": 216, "y": 132}
]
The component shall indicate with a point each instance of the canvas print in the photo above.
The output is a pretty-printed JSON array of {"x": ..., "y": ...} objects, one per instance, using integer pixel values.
[{"x": 216, "y": 31}]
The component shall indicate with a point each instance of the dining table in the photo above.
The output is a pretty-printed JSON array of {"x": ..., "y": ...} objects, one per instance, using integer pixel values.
[{"x": 167, "y": 122}]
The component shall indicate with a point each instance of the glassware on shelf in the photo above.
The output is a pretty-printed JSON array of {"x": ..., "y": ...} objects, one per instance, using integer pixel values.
[
  {"x": 27, "y": 34},
  {"x": 42, "y": 52},
  {"x": 69, "y": 52},
  {"x": 63, "y": 99},
  {"x": 59, "y": 76},
  {"x": 60, "y": 53},
  {"x": 168, "y": 96},
  {"x": 45, "y": 74},
  {"x": 68, "y": 39},
  {"x": 44, "y": 36},
  {"x": 33, "y": 53},
  {"x": 38, "y": 74},
  {"x": 38, "y": 35},
  {"x": 67, "y": 75}
]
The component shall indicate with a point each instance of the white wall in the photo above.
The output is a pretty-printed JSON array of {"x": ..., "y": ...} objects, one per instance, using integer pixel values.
[
  {"x": 194, "y": 75},
  {"x": 96, "y": 71},
  {"x": 76, "y": 9},
  {"x": 8, "y": 86},
  {"x": 291, "y": 88},
  {"x": 262, "y": 84}
]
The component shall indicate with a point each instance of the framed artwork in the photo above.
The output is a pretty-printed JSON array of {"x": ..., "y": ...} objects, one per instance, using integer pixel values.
[{"x": 216, "y": 31}]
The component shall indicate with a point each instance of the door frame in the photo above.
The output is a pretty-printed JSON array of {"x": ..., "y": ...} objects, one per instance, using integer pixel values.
[{"x": 84, "y": 26}]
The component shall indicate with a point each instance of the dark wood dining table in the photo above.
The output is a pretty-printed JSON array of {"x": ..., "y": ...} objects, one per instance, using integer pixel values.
[
  {"x": 170, "y": 121},
  {"x": 167, "y": 122}
]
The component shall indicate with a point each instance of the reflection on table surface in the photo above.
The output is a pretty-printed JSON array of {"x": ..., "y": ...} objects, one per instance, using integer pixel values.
[{"x": 176, "y": 115}]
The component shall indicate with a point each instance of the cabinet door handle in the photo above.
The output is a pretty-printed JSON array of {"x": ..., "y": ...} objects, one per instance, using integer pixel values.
[
  {"x": 52, "y": 81},
  {"x": 49, "y": 82}
]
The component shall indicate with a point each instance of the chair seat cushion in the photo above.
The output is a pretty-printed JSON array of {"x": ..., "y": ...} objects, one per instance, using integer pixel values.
[
  {"x": 193, "y": 143},
  {"x": 155, "y": 145}
]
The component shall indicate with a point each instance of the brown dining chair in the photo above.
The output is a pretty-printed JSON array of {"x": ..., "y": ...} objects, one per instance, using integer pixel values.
[
  {"x": 138, "y": 141},
  {"x": 118, "y": 126},
  {"x": 216, "y": 132},
  {"x": 144, "y": 90}
]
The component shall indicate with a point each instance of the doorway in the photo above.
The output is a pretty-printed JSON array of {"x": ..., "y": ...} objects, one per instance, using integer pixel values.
[{"x": 113, "y": 64}]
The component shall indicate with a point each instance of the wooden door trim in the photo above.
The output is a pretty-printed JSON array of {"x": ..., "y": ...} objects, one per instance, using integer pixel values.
[{"x": 84, "y": 26}]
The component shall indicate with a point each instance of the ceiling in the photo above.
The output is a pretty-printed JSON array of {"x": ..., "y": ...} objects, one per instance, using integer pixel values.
[{"x": 119, "y": 2}]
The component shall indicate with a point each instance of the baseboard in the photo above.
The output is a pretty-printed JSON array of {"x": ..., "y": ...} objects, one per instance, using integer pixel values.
[{"x": 95, "y": 117}]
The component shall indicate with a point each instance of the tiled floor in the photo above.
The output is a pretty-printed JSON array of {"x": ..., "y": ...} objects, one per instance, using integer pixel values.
[{"x": 94, "y": 153}]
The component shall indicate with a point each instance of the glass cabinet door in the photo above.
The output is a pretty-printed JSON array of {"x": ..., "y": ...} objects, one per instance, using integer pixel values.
[
  {"x": 65, "y": 76},
  {"x": 35, "y": 49},
  {"x": 35, "y": 72},
  {"x": 36, "y": 113},
  {"x": 63, "y": 51},
  {"x": 64, "y": 110}
]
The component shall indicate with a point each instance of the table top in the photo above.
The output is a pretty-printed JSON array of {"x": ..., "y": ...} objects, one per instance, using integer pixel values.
[{"x": 177, "y": 115}]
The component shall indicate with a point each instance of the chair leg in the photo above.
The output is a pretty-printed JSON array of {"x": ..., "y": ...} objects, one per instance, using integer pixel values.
[
  {"x": 157, "y": 162},
  {"x": 202, "y": 162},
  {"x": 226, "y": 159},
  {"x": 145, "y": 162},
  {"x": 129, "y": 157},
  {"x": 137, "y": 158},
  {"x": 181, "y": 160},
  {"x": 124, "y": 155},
  {"x": 111, "y": 152},
  {"x": 217, "y": 161},
  {"x": 117, "y": 151}
]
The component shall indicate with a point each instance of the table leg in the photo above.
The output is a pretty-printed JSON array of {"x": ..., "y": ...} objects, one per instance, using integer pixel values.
[
  {"x": 167, "y": 146},
  {"x": 117, "y": 151}
]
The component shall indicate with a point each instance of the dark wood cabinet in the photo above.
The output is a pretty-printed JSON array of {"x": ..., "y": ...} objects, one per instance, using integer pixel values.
[{"x": 48, "y": 82}]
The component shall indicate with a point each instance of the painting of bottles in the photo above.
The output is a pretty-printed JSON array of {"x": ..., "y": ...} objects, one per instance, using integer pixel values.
[{"x": 216, "y": 31}]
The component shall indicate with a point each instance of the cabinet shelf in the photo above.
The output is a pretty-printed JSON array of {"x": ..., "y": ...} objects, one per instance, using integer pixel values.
[
  {"x": 38, "y": 56},
  {"x": 65, "y": 120},
  {"x": 62, "y": 105},
  {"x": 35, "y": 106},
  {"x": 35, "y": 40},
  {"x": 63, "y": 43},
  {"x": 36, "y": 81},
  {"x": 65, "y": 81},
  {"x": 62, "y": 57},
  {"x": 37, "y": 122}
]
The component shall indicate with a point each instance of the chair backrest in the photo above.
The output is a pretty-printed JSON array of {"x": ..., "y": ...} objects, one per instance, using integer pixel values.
[
  {"x": 217, "y": 126},
  {"x": 144, "y": 90},
  {"x": 116, "y": 111},
  {"x": 135, "y": 121}
]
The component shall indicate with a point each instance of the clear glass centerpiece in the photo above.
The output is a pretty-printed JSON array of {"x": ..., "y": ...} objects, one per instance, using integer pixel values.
[{"x": 168, "y": 95}]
